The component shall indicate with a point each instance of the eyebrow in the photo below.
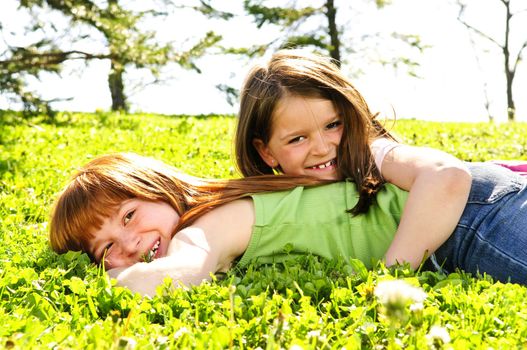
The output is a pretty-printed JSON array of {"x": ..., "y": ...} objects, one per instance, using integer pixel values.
[
  {"x": 295, "y": 133},
  {"x": 289, "y": 135}
]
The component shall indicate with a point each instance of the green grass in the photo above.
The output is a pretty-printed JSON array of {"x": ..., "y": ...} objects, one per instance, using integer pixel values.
[{"x": 51, "y": 301}]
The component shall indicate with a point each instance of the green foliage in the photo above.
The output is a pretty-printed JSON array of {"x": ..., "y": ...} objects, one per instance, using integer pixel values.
[
  {"x": 472, "y": 142},
  {"x": 285, "y": 16},
  {"x": 103, "y": 30},
  {"x": 63, "y": 301},
  {"x": 290, "y": 19},
  {"x": 326, "y": 28}
]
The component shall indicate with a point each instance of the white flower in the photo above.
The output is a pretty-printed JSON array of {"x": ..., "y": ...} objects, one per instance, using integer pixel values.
[
  {"x": 438, "y": 333},
  {"x": 180, "y": 332},
  {"x": 416, "y": 307},
  {"x": 397, "y": 292},
  {"x": 314, "y": 333},
  {"x": 162, "y": 340},
  {"x": 126, "y": 343},
  {"x": 296, "y": 347}
]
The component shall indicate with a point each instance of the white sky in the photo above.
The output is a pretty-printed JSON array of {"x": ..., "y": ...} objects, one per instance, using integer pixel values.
[{"x": 451, "y": 87}]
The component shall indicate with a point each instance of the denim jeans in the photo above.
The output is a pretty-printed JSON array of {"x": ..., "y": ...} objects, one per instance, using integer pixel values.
[{"x": 491, "y": 236}]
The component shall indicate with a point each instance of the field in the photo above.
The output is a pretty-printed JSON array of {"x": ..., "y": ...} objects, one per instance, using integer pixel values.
[{"x": 51, "y": 301}]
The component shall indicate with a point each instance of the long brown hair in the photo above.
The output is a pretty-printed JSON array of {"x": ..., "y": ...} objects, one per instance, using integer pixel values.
[
  {"x": 97, "y": 188},
  {"x": 291, "y": 72}
]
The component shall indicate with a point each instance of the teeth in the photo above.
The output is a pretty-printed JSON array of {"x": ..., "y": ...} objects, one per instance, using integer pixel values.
[
  {"x": 153, "y": 251},
  {"x": 325, "y": 165}
]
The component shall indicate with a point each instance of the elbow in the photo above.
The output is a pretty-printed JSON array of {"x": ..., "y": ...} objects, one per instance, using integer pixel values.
[{"x": 456, "y": 179}]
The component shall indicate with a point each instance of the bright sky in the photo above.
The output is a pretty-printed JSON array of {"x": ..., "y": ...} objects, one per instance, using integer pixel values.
[{"x": 451, "y": 87}]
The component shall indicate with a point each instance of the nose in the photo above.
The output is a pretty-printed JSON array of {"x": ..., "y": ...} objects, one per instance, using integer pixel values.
[
  {"x": 129, "y": 243},
  {"x": 320, "y": 145}
]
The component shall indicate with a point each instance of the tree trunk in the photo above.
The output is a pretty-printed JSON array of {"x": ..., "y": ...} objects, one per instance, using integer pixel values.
[
  {"x": 331, "y": 14},
  {"x": 509, "y": 74},
  {"x": 115, "y": 82},
  {"x": 511, "y": 109}
]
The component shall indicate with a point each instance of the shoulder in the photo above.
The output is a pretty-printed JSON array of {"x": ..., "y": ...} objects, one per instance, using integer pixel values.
[
  {"x": 231, "y": 211},
  {"x": 229, "y": 227},
  {"x": 237, "y": 214},
  {"x": 380, "y": 147}
]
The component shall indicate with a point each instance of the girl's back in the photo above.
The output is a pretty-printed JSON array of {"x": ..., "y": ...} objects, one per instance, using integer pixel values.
[{"x": 316, "y": 220}]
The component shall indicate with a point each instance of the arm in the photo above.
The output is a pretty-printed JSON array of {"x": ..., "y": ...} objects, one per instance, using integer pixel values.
[
  {"x": 186, "y": 264},
  {"x": 208, "y": 246},
  {"x": 438, "y": 186}
]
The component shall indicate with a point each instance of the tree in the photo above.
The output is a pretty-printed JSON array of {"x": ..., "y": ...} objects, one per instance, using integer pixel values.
[
  {"x": 510, "y": 60},
  {"x": 125, "y": 43},
  {"x": 318, "y": 27},
  {"x": 32, "y": 61}
]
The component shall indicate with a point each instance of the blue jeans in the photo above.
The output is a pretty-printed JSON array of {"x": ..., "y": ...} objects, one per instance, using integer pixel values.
[{"x": 491, "y": 236}]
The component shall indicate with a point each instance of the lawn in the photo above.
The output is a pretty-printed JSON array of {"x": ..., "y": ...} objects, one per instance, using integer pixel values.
[{"x": 64, "y": 301}]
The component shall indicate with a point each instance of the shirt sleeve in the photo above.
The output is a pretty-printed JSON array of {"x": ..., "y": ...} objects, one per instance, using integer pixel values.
[{"x": 380, "y": 148}]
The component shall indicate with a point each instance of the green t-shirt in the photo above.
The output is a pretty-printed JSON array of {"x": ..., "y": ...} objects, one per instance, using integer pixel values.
[{"x": 314, "y": 221}]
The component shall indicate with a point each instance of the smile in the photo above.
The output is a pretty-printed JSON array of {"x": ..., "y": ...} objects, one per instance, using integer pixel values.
[
  {"x": 324, "y": 165},
  {"x": 152, "y": 252}
]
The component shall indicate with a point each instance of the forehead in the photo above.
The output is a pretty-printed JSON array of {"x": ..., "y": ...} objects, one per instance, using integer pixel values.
[{"x": 293, "y": 110}]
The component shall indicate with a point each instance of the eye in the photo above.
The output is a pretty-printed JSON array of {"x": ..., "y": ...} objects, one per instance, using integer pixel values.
[
  {"x": 334, "y": 125},
  {"x": 105, "y": 252},
  {"x": 296, "y": 139},
  {"x": 128, "y": 217}
]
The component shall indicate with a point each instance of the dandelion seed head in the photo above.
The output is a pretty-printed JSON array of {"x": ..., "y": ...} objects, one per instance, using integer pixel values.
[
  {"x": 398, "y": 292},
  {"x": 438, "y": 334},
  {"x": 416, "y": 307}
]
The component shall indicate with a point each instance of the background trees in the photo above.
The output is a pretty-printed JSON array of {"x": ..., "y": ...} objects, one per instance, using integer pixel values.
[
  {"x": 138, "y": 47},
  {"x": 512, "y": 54},
  {"x": 332, "y": 27},
  {"x": 103, "y": 30}
]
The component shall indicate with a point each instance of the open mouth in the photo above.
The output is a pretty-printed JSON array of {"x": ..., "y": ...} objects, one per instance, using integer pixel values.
[
  {"x": 324, "y": 165},
  {"x": 150, "y": 255}
]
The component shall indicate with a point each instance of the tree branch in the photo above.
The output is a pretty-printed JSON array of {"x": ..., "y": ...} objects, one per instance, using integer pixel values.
[
  {"x": 519, "y": 56},
  {"x": 52, "y": 58},
  {"x": 460, "y": 19}
]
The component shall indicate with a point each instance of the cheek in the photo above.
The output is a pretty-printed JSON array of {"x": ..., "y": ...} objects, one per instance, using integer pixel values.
[
  {"x": 171, "y": 227},
  {"x": 292, "y": 161},
  {"x": 109, "y": 264},
  {"x": 337, "y": 137},
  {"x": 288, "y": 157}
]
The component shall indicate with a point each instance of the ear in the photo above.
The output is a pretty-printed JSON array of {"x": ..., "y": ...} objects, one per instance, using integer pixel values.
[{"x": 264, "y": 153}]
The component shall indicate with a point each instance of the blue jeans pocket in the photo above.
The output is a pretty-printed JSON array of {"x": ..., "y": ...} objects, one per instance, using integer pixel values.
[
  {"x": 491, "y": 182},
  {"x": 491, "y": 236}
]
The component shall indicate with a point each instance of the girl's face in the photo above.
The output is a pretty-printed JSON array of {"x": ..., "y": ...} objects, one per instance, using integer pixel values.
[
  {"x": 136, "y": 231},
  {"x": 304, "y": 138}
]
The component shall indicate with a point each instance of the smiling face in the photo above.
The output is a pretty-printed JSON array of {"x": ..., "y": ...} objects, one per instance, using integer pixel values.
[
  {"x": 136, "y": 231},
  {"x": 305, "y": 136}
]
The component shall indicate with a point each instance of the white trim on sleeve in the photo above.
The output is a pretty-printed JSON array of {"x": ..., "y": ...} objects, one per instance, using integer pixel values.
[{"x": 380, "y": 148}]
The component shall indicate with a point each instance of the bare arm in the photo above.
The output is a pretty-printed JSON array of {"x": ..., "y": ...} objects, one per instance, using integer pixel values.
[
  {"x": 208, "y": 246},
  {"x": 438, "y": 186},
  {"x": 189, "y": 264}
]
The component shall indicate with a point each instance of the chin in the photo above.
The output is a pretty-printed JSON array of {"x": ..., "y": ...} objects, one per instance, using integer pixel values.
[{"x": 329, "y": 176}]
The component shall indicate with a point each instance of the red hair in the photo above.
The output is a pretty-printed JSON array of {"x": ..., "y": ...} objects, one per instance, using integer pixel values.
[{"x": 97, "y": 188}]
